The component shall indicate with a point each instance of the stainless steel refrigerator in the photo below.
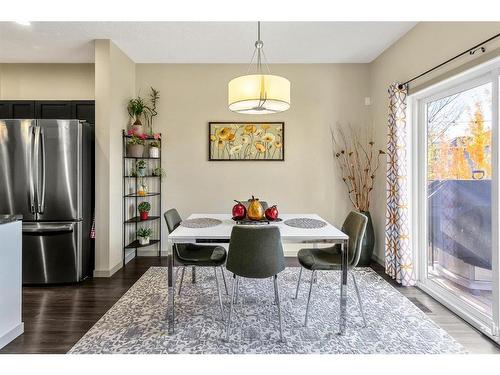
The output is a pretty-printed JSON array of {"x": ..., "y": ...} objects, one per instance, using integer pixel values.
[{"x": 47, "y": 175}]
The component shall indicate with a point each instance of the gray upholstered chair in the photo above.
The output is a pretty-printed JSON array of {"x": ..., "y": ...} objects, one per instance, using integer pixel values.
[
  {"x": 196, "y": 255},
  {"x": 257, "y": 253},
  {"x": 329, "y": 259}
]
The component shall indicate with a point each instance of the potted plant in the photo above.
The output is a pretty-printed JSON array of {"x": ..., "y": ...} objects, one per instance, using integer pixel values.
[
  {"x": 154, "y": 146},
  {"x": 135, "y": 146},
  {"x": 358, "y": 161},
  {"x": 159, "y": 172},
  {"x": 140, "y": 168},
  {"x": 144, "y": 208},
  {"x": 144, "y": 234},
  {"x": 136, "y": 109}
]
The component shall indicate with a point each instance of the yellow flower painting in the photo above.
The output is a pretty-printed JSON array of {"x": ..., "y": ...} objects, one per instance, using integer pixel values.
[{"x": 246, "y": 141}]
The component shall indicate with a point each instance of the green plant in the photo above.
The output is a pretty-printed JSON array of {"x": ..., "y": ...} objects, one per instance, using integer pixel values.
[
  {"x": 135, "y": 140},
  {"x": 144, "y": 207},
  {"x": 136, "y": 108},
  {"x": 159, "y": 172},
  {"x": 144, "y": 232},
  {"x": 155, "y": 144},
  {"x": 141, "y": 164}
]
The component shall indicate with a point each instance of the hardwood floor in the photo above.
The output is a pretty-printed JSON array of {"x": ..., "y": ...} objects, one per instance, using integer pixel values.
[{"x": 56, "y": 317}]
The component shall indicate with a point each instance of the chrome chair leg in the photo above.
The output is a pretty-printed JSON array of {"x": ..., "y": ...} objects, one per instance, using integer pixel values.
[
  {"x": 309, "y": 297},
  {"x": 228, "y": 325},
  {"x": 193, "y": 275},
  {"x": 182, "y": 279},
  {"x": 359, "y": 298},
  {"x": 277, "y": 298},
  {"x": 237, "y": 281},
  {"x": 224, "y": 278},
  {"x": 218, "y": 292},
  {"x": 298, "y": 284}
]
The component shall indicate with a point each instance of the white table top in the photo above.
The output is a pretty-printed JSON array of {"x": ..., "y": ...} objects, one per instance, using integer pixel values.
[{"x": 289, "y": 234}]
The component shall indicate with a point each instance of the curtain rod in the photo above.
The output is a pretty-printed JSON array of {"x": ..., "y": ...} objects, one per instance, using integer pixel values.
[{"x": 470, "y": 51}]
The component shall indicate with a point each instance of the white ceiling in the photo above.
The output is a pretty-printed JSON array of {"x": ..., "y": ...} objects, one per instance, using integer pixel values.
[{"x": 200, "y": 42}]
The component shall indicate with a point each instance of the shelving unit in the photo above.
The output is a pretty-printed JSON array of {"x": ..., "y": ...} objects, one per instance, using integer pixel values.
[{"x": 131, "y": 200}]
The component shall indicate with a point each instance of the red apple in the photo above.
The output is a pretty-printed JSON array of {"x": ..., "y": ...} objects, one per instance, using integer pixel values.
[
  {"x": 272, "y": 213},
  {"x": 239, "y": 211}
]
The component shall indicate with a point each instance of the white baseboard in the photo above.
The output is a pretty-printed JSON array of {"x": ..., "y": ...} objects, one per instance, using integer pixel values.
[
  {"x": 108, "y": 273},
  {"x": 11, "y": 335}
]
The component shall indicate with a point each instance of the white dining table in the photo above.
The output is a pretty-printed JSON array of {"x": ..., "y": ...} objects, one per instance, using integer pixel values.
[{"x": 221, "y": 233}]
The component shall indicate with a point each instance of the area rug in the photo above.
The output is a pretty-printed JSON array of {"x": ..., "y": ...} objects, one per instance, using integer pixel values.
[{"x": 137, "y": 322}]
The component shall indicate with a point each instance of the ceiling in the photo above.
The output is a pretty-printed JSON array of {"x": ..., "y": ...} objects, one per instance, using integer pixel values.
[{"x": 200, "y": 42}]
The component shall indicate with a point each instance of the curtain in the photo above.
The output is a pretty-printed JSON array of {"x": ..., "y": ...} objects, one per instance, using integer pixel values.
[{"x": 398, "y": 252}]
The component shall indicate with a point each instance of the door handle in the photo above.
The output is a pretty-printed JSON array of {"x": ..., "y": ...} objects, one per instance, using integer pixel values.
[
  {"x": 48, "y": 228},
  {"x": 41, "y": 201},
  {"x": 32, "y": 169}
]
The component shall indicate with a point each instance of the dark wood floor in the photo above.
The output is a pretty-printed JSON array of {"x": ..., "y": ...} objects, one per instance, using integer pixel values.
[{"x": 55, "y": 318}]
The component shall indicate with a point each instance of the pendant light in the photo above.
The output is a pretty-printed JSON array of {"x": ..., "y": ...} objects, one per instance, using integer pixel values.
[{"x": 259, "y": 93}]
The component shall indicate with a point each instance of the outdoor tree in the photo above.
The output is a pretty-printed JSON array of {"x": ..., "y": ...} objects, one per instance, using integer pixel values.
[{"x": 478, "y": 145}]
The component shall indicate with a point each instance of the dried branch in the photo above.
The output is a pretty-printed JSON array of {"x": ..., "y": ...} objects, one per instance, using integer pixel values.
[{"x": 357, "y": 164}]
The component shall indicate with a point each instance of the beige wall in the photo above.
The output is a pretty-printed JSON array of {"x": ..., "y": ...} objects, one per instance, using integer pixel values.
[
  {"x": 47, "y": 81},
  {"x": 426, "y": 45},
  {"x": 193, "y": 95},
  {"x": 115, "y": 85}
]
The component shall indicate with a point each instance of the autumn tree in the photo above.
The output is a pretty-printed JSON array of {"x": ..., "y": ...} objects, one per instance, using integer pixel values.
[{"x": 479, "y": 143}]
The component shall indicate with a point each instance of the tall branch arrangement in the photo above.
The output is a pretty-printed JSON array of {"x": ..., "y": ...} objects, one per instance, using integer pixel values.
[{"x": 358, "y": 161}]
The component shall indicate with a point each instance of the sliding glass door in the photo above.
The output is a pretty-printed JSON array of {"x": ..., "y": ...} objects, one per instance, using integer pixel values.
[{"x": 456, "y": 167}]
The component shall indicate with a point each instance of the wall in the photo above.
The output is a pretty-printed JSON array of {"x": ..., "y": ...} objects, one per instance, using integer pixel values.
[
  {"x": 115, "y": 85},
  {"x": 307, "y": 181},
  {"x": 426, "y": 45},
  {"x": 47, "y": 81}
]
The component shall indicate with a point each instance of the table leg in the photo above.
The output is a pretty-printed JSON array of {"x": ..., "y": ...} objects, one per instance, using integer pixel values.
[
  {"x": 343, "y": 287},
  {"x": 171, "y": 288}
]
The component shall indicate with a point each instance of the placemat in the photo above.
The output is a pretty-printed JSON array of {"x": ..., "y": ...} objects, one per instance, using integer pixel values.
[
  {"x": 201, "y": 222},
  {"x": 304, "y": 222}
]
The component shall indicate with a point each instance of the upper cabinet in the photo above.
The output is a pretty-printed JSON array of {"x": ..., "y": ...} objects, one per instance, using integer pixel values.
[
  {"x": 48, "y": 109},
  {"x": 17, "y": 109},
  {"x": 53, "y": 109}
]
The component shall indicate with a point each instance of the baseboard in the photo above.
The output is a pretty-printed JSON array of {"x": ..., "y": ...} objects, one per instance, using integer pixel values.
[
  {"x": 378, "y": 260},
  {"x": 11, "y": 335},
  {"x": 108, "y": 273}
]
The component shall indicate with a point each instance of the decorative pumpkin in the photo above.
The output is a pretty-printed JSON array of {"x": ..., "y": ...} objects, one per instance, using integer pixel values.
[{"x": 255, "y": 210}]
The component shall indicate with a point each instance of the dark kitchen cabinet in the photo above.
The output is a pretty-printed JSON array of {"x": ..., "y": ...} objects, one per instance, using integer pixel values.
[
  {"x": 53, "y": 109},
  {"x": 17, "y": 109},
  {"x": 48, "y": 109},
  {"x": 83, "y": 110}
]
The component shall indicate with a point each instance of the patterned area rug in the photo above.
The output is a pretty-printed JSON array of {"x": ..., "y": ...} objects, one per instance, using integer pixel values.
[{"x": 137, "y": 322}]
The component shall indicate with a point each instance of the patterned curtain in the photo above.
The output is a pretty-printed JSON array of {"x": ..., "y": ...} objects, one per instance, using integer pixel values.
[{"x": 398, "y": 252}]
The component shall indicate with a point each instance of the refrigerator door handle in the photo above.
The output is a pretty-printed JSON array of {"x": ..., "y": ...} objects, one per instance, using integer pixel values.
[
  {"x": 31, "y": 170},
  {"x": 47, "y": 228},
  {"x": 41, "y": 199}
]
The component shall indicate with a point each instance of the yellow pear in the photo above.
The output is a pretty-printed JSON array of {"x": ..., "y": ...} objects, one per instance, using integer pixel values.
[{"x": 255, "y": 210}]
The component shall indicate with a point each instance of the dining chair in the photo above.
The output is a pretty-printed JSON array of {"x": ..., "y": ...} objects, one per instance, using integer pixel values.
[
  {"x": 330, "y": 259},
  {"x": 256, "y": 253},
  {"x": 196, "y": 255}
]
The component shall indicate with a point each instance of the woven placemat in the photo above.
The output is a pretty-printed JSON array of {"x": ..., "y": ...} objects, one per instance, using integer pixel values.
[
  {"x": 304, "y": 222},
  {"x": 201, "y": 222}
]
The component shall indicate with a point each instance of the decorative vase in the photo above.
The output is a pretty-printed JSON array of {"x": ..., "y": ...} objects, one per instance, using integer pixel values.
[
  {"x": 135, "y": 151},
  {"x": 154, "y": 152},
  {"x": 137, "y": 128},
  {"x": 143, "y": 240},
  {"x": 141, "y": 172},
  {"x": 368, "y": 242}
]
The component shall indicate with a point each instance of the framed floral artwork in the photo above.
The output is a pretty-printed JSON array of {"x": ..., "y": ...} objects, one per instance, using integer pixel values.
[{"x": 246, "y": 141}]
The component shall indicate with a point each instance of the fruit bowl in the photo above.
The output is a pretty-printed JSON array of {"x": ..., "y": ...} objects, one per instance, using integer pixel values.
[{"x": 247, "y": 221}]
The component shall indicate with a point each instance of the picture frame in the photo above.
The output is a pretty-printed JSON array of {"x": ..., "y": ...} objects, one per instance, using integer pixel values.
[{"x": 246, "y": 141}]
